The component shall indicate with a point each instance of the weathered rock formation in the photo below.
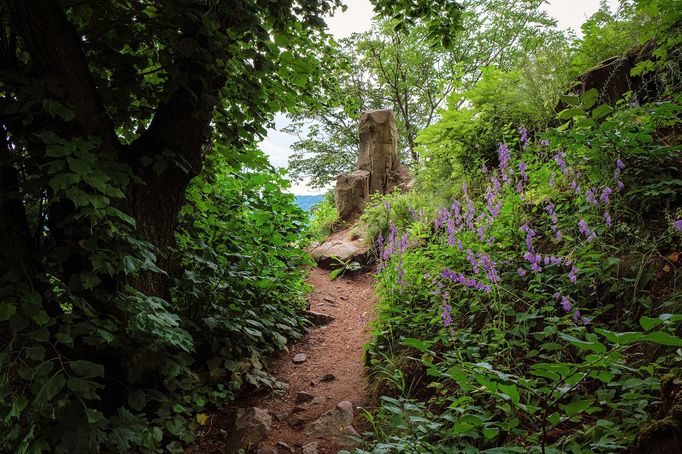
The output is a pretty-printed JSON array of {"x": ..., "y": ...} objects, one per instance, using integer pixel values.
[
  {"x": 378, "y": 168},
  {"x": 341, "y": 247}
]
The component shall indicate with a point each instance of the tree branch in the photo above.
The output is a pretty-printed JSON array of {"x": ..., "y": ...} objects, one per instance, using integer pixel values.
[{"x": 56, "y": 49}]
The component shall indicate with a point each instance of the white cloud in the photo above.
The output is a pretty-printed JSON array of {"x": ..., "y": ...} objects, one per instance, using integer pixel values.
[{"x": 571, "y": 14}]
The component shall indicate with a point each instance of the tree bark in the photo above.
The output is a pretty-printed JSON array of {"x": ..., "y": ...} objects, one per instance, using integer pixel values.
[{"x": 175, "y": 136}]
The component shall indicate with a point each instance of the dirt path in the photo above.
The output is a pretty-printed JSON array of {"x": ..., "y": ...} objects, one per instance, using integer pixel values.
[
  {"x": 333, "y": 372},
  {"x": 335, "y": 349}
]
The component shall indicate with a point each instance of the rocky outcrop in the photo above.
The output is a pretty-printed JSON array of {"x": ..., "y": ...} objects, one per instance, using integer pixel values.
[
  {"x": 612, "y": 78},
  {"x": 352, "y": 193},
  {"x": 251, "y": 426},
  {"x": 378, "y": 168},
  {"x": 341, "y": 247},
  {"x": 336, "y": 425}
]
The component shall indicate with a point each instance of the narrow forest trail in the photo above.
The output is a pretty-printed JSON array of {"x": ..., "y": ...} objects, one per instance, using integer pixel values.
[
  {"x": 320, "y": 411},
  {"x": 336, "y": 349}
]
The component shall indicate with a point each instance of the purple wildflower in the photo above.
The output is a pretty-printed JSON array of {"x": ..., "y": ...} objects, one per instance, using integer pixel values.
[
  {"x": 677, "y": 225},
  {"x": 504, "y": 158},
  {"x": 604, "y": 197},
  {"x": 524, "y": 136},
  {"x": 566, "y": 304},
  {"x": 589, "y": 196},
  {"x": 573, "y": 275},
  {"x": 445, "y": 316},
  {"x": 521, "y": 272},
  {"x": 607, "y": 218},
  {"x": 620, "y": 164},
  {"x": 583, "y": 228}
]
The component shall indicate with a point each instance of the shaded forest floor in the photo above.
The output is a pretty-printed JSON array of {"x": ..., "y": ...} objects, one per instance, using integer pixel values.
[{"x": 332, "y": 372}]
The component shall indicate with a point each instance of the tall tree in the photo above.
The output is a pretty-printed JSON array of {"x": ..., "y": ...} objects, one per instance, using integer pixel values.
[{"x": 397, "y": 65}]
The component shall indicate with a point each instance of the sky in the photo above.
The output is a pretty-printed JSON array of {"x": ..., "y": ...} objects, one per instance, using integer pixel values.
[{"x": 570, "y": 14}]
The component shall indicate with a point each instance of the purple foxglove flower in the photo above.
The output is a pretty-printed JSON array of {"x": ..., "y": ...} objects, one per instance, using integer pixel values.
[
  {"x": 607, "y": 218},
  {"x": 414, "y": 214},
  {"x": 583, "y": 228},
  {"x": 445, "y": 316},
  {"x": 620, "y": 164},
  {"x": 524, "y": 136},
  {"x": 620, "y": 185},
  {"x": 677, "y": 225},
  {"x": 573, "y": 275},
  {"x": 566, "y": 304},
  {"x": 589, "y": 196},
  {"x": 604, "y": 197},
  {"x": 576, "y": 316},
  {"x": 559, "y": 159}
]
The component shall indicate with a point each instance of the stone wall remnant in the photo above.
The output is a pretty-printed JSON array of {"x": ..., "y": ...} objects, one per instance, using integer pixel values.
[{"x": 379, "y": 169}]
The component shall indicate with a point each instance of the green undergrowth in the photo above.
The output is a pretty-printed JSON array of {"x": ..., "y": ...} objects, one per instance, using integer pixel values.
[
  {"x": 237, "y": 290},
  {"x": 539, "y": 309}
]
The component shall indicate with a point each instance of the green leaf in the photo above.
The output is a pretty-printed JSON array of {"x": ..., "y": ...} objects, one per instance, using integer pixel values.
[
  {"x": 7, "y": 310},
  {"x": 601, "y": 111},
  {"x": 50, "y": 388},
  {"x": 490, "y": 432},
  {"x": 93, "y": 415},
  {"x": 511, "y": 391},
  {"x": 585, "y": 123},
  {"x": 595, "y": 346},
  {"x": 567, "y": 114},
  {"x": 577, "y": 406},
  {"x": 86, "y": 369},
  {"x": 647, "y": 322},
  {"x": 137, "y": 400},
  {"x": 416, "y": 343},
  {"x": 657, "y": 337},
  {"x": 589, "y": 98},
  {"x": 36, "y": 353},
  {"x": 662, "y": 338},
  {"x": 79, "y": 166},
  {"x": 570, "y": 100}
]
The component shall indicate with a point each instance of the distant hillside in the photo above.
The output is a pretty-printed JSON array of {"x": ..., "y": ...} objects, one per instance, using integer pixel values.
[{"x": 306, "y": 202}]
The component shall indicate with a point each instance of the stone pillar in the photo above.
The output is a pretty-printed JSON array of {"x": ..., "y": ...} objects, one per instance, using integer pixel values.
[
  {"x": 352, "y": 193},
  {"x": 378, "y": 167}
]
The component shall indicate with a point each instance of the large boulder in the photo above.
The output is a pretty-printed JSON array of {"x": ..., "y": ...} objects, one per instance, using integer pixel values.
[
  {"x": 345, "y": 246},
  {"x": 336, "y": 425},
  {"x": 251, "y": 426}
]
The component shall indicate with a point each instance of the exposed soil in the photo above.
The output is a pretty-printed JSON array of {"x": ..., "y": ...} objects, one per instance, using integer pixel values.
[{"x": 337, "y": 349}]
